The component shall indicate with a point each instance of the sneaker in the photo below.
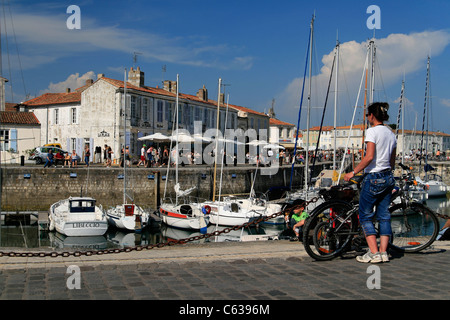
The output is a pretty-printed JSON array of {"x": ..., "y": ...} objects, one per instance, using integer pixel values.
[
  {"x": 384, "y": 256},
  {"x": 293, "y": 239},
  {"x": 369, "y": 257}
]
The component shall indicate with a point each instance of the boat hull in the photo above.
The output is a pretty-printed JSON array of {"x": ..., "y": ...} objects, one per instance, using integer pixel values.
[
  {"x": 82, "y": 228},
  {"x": 437, "y": 189},
  {"x": 134, "y": 222},
  {"x": 77, "y": 221},
  {"x": 173, "y": 216},
  {"x": 244, "y": 211}
]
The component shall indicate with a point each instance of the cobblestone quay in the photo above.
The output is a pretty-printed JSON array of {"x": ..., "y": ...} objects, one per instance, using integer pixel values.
[{"x": 244, "y": 273}]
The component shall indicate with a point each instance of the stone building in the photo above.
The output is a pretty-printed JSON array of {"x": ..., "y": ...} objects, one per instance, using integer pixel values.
[{"x": 93, "y": 114}]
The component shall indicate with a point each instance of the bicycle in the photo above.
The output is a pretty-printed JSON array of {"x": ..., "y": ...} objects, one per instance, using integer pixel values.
[{"x": 333, "y": 227}]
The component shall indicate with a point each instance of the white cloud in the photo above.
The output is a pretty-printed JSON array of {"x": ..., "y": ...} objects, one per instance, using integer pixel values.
[
  {"x": 445, "y": 102},
  {"x": 46, "y": 39},
  {"x": 397, "y": 55},
  {"x": 73, "y": 82}
]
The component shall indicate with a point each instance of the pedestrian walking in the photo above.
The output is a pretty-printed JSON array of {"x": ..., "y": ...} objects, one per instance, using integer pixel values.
[{"x": 49, "y": 160}]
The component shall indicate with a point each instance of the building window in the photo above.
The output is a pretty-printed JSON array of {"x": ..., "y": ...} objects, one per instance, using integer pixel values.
[
  {"x": 198, "y": 114},
  {"x": 56, "y": 116},
  {"x": 206, "y": 117},
  {"x": 4, "y": 140},
  {"x": 73, "y": 115},
  {"x": 133, "y": 107},
  {"x": 145, "y": 109},
  {"x": 159, "y": 116}
]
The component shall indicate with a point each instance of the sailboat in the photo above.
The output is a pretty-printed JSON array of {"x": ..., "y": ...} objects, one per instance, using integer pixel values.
[
  {"x": 127, "y": 215},
  {"x": 308, "y": 192},
  {"x": 233, "y": 211},
  {"x": 416, "y": 192},
  {"x": 182, "y": 213},
  {"x": 434, "y": 184}
]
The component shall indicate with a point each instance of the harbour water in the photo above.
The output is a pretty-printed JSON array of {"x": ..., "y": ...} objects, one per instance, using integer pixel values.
[
  {"x": 19, "y": 231},
  {"x": 23, "y": 232}
]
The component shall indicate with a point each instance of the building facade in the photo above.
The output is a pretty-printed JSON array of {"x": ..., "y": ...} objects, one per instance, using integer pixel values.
[
  {"x": 93, "y": 114},
  {"x": 20, "y": 132}
]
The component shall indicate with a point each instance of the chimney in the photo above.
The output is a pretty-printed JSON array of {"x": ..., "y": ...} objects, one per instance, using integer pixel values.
[
  {"x": 222, "y": 98},
  {"x": 136, "y": 77},
  {"x": 100, "y": 75},
  {"x": 203, "y": 94},
  {"x": 89, "y": 82},
  {"x": 170, "y": 86},
  {"x": 67, "y": 90}
]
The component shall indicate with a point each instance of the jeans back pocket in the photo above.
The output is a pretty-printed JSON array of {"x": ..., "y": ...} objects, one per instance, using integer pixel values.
[{"x": 378, "y": 186}]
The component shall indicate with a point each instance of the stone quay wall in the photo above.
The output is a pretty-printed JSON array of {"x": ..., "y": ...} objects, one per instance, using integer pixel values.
[{"x": 36, "y": 189}]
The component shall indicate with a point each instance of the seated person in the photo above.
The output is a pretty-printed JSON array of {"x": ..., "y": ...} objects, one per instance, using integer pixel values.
[
  {"x": 297, "y": 220},
  {"x": 67, "y": 159},
  {"x": 59, "y": 157}
]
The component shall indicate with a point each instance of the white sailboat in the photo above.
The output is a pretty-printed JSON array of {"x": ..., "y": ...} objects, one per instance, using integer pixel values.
[
  {"x": 308, "y": 192},
  {"x": 77, "y": 217},
  {"x": 232, "y": 211},
  {"x": 417, "y": 191},
  {"x": 186, "y": 215},
  {"x": 127, "y": 215},
  {"x": 433, "y": 182}
]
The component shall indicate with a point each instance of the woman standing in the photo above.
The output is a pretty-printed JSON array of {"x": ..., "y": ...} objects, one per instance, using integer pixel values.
[
  {"x": 377, "y": 185},
  {"x": 87, "y": 155}
]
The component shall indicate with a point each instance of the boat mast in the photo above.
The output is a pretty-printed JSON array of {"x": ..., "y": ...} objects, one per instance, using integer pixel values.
[
  {"x": 335, "y": 103},
  {"x": 178, "y": 142},
  {"x": 401, "y": 112},
  {"x": 300, "y": 112},
  {"x": 309, "y": 107},
  {"x": 124, "y": 136},
  {"x": 425, "y": 114},
  {"x": 217, "y": 141}
]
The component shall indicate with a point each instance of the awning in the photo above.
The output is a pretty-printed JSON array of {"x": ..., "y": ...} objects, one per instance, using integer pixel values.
[{"x": 289, "y": 145}]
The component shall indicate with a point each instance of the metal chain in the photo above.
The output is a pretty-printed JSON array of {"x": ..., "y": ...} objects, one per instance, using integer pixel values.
[{"x": 55, "y": 254}]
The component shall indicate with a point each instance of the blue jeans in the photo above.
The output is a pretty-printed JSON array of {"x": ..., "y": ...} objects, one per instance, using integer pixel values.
[{"x": 376, "y": 190}]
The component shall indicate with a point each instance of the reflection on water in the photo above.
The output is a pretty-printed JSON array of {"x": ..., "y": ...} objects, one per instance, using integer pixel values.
[{"x": 21, "y": 231}]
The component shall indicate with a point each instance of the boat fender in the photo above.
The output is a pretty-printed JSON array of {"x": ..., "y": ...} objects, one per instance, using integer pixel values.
[
  {"x": 51, "y": 226},
  {"x": 206, "y": 209},
  {"x": 203, "y": 225}
]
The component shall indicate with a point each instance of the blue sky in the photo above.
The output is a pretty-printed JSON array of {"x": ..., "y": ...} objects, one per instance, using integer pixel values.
[{"x": 258, "y": 48}]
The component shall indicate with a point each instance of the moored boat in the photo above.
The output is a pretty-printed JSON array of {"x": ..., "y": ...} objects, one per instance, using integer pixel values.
[
  {"x": 128, "y": 216},
  {"x": 77, "y": 216},
  {"x": 185, "y": 216}
]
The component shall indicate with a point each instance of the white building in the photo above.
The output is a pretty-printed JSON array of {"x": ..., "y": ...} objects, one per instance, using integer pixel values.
[
  {"x": 93, "y": 114},
  {"x": 20, "y": 132}
]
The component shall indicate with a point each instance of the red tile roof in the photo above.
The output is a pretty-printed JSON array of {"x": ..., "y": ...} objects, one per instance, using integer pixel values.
[
  {"x": 244, "y": 109},
  {"x": 54, "y": 98},
  {"x": 9, "y": 106},
  {"x": 159, "y": 91},
  {"x": 276, "y": 122},
  {"x": 13, "y": 117}
]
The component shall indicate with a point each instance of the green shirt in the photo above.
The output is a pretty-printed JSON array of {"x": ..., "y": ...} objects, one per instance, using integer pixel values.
[{"x": 300, "y": 216}]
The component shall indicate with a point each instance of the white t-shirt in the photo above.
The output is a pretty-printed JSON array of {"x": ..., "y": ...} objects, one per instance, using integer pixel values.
[{"x": 385, "y": 143}]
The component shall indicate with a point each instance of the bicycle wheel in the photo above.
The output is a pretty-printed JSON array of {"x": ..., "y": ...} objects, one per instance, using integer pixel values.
[
  {"x": 329, "y": 229},
  {"x": 414, "y": 227}
]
